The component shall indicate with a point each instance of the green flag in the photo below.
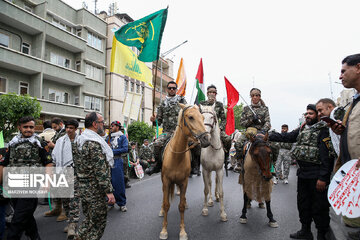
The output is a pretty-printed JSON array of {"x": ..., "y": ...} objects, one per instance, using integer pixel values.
[
  {"x": 145, "y": 34},
  {"x": 1, "y": 140}
]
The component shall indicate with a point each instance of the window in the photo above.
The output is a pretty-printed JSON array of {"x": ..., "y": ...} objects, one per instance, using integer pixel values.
[
  {"x": 4, "y": 40},
  {"x": 92, "y": 103},
  {"x": 77, "y": 100},
  {"x": 142, "y": 90},
  {"x": 93, "y": 72},
  {"x": 28, "y": 8},
  {"x": 59, "y": 60},
  {"x": 137, "y": 88},
  {"x": 23, "y": 88},
  {"x": 58, "y": 96},
  {"x": 126, "y": 86},
  {"x": 132, "y": 87},
  {"x": 78, "y": 32},
  {"x": 2, "y": 84},
  {"x": 94, "y": 41},
  {"x": 25, "y": 48},
  {"x": 61, "y": 25},
  {"x": 78, "y": 66}
]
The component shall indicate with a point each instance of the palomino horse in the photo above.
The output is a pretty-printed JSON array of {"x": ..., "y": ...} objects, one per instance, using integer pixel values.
[
  {"x": 257, "y": 183},
  {"x": 176, "y": 164},
  {"x": 212, "y": 159}
]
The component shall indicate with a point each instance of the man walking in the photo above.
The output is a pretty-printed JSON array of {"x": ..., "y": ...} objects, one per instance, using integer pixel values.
[
  {"x": 64, "y": 153},
  {"x": 25, "y": 150},
  {"x": 119, "y": 145},
  {"x": 93, "y": 172},
  {"x": 315, "y": 166}
]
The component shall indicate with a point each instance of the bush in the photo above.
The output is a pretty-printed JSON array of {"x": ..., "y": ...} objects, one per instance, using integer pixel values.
[
  {"x": 138, "y": 131},
  {"x": 12, "y": 108}
]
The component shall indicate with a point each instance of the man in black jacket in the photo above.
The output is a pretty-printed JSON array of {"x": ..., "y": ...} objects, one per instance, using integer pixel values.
[{"x": 316, "y": 164}]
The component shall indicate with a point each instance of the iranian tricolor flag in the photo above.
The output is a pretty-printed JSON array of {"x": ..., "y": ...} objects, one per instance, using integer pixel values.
[{"x": 200, "y": 84}]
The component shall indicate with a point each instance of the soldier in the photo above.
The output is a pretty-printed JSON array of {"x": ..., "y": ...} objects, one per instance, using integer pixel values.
[
  {"x": 25, "y": 150},
  {"x": 64, "y": 153},
  {"x": 57, "y": 125},
  {"x": 93, "y": 173},
  {"x": 119, "y": 145},
  {"x": 167, "y": 115},
  {"x": 260, "y": 121},
  {"x": 313, "y": 153},
  {"x": 146, "y": 154},
  {"x": 134, "y": 158},
  {"x": 284, "y": 159}
]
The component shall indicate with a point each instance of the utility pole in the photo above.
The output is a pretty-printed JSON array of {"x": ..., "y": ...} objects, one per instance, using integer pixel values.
[
  {"x": 161, "y": 67},
  {"x": 95, "y": 8}
]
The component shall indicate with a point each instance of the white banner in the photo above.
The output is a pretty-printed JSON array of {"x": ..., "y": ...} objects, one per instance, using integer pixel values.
[{"x": 132, "y": 104}]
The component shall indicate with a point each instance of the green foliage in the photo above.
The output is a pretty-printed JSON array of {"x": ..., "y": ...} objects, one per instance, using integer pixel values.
[
  {"x": 12, "y": 108},
  {"x": 138, "y": 131},
  {"x": 237, "y": 114}
]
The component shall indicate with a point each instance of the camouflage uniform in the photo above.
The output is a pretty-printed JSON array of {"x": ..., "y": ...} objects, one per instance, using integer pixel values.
[
  {"x": 284, "y": 158},
  {"x": 58, "y": 135},
  {"x": 146, "y": 154},
  {"x": 246, "y": 121},
  {"x": 71, "y": 205},
  {"x": 167, "y": 116},
  {"x": 220, "y": 114},
  {"x": 94, "y": 178},
  {"x": 25, "y": 154}
]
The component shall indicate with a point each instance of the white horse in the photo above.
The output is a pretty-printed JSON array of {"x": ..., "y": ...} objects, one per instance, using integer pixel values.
[{"x": 212, "y": 159}]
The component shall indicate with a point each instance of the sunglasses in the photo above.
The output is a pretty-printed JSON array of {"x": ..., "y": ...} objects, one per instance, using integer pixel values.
[{"x": 172, "y": 88}]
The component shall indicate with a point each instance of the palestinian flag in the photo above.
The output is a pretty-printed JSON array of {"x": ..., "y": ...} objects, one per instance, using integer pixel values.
[{"x": 200, "y": 84}]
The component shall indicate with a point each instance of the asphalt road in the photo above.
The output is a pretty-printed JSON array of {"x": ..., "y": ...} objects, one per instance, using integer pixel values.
[{"x": 144, "y": 198}]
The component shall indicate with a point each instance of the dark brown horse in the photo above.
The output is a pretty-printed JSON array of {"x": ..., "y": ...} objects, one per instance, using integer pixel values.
[
  {"x": 257, "y": 178},
  {"x": 176, "y": 164}
]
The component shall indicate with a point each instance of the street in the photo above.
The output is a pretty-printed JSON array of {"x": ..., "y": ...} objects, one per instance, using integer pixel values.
[{"x": 144, "y": 199}]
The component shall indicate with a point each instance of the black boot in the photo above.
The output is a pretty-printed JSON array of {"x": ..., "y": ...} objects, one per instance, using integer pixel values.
[
  {"x": 303, "y": 233},
  {"x": 321, "y": 235}
]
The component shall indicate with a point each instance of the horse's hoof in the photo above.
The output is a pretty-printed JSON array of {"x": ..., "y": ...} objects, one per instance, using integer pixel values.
[
  {"x": 224, "y": 218},
  {"x": 210, "y": 204},
  {"x": 183, "y": 236},
  {"x": 273, "y": 224},
  {"x": 261, "y": 205},
  {"x": 243, "y": 220},
  {"x": 205, "y": 212},
  {"x": 163, "y": 235},
  {"x": 161, "y": 213}
]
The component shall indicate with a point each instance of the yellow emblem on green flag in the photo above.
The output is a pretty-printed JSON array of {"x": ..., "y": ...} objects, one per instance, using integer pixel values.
[
  {"x": 125, "y": 62},
  {"x": 145, "y": 34}
]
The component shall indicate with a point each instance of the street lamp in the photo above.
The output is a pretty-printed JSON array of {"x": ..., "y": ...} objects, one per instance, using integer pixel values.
[{"x": 161, "y": 67}]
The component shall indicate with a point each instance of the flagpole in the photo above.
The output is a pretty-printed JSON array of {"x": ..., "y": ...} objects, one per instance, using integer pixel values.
[{"x": 154, "y": 81}]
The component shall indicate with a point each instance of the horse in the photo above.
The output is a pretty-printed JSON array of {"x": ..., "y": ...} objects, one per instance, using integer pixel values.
[
  {"x": 257, "y": 178},
  {"x": 176, "y": 161},
  {"x": 212, "y": 159}
]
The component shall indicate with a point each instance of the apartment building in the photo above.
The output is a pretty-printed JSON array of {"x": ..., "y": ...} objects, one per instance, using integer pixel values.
[
  {"x": 55, "y": 53},
  {"x": 117, "y": 85}
]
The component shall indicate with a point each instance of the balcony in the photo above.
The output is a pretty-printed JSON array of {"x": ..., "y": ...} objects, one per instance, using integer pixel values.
[
  {"x": 24, "y": 63},
  {"x": 61, "y": 109}
]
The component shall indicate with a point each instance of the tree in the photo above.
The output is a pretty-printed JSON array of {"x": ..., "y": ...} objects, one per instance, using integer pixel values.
[
  {"x": 237, "y": 114},
  {"x": 138, "y": 131},
  {"x": 12, "y": 108}
]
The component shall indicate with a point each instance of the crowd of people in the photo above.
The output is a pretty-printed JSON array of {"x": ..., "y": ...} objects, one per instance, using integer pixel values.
[{"x": 104, "y": 163}]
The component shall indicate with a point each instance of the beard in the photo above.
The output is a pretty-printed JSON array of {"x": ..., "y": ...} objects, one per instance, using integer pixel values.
[
  {"x": 100, "y": 131},
  {"x": 211, "y": 100},
  {"x": 310, "y": 121}
]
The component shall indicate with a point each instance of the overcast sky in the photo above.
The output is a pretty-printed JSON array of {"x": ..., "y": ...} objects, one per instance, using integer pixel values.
[{"x": 289, "y": 49}]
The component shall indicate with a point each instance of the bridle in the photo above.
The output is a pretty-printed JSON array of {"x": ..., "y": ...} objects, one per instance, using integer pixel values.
[
  {"x": 196, "y": 136},
  {"x": 212, "y": 126}
]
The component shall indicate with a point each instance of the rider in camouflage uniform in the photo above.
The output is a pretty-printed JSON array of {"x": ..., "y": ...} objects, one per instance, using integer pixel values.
[
  {"x": 93, "y": 172},
  {"x": 315, "y": 157},
  {"x": 25, "y": 150},
  {"x": 259, "y": 122},
  {"x": 167, "y": 115}
]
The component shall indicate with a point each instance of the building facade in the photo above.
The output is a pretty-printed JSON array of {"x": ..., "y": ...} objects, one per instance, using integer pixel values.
[
  {"x": 55, "y": 53},
  {"x": 118, "y": 85}
]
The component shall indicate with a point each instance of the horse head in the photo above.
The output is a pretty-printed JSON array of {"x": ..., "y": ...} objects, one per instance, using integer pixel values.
[
  {"x": 260, "y": 152},
  {"x": 192, "y": 124},
  {"x": 210, "y": 119}
]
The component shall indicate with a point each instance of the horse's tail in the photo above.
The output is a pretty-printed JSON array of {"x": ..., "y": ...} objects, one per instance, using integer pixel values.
[{"x": 171, "y": 192}]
